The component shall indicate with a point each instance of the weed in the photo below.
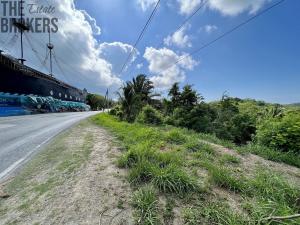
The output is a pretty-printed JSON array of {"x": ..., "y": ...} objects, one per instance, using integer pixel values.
[
  {"x": 168, "y": 214},
  {"x": 174, "y": 180},
  {"x": 143, "y": 172},
  {"x": 272, "y": 186},
  {"x": 145, "y": 202},
  {"x": 213, "y": 213},
  {"x": 224, "y": 178},
  {"x": 231, "y": 159},
  {"x": 175, "y": 136},
  {"x": 120, "y": 204},
  {"x": 271, "y": 154}
]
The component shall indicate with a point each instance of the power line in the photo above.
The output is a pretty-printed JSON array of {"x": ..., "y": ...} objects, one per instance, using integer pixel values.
[
  {"x": 182, "y": 24},
  {"x": 140, "y": 36},
  {"x": 203, "y": 3},
  {"x": 223, "y": 35}
]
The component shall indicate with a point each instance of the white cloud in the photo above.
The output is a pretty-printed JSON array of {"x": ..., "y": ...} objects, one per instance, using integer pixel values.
[
  {"x": 210, "y": 28},
  {"x": 146, "y": 4},
  {"x": 179, "y": 38},
  {"x": 235, "y": 7},
  {"x": 92, "y": 21},
  {"x": 159, "y": 63},
  {"x": 226, "y": 7},
  {"x": 139, "y": 66},
  {"x": 188, "y": 6},
  {"x": 116, "y": 53},
  {"x": 86, "y": 62}
]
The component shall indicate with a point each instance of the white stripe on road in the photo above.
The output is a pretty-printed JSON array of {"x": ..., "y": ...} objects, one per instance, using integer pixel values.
[{"x": 16, "y": 164}]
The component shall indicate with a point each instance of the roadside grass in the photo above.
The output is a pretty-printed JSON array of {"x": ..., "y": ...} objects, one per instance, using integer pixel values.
[
  {"x": 230, "y": 159},
  {"x": 289, "y": 158},
  {"x": 213, "y": 213},
  {"x": 145, "y": 202},
  {"x": 164, "y": 161},
  {"x": 58, "y": 162}
]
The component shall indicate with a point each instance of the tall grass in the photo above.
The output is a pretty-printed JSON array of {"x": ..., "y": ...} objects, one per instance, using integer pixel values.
[
  {"x": 151, "y": 156},
  {"x": 164, "y": 157},
  {"x": 145, "y": 203}
]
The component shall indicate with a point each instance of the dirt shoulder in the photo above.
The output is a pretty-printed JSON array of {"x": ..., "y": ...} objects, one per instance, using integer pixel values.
[{"x": 73, "y": 181}]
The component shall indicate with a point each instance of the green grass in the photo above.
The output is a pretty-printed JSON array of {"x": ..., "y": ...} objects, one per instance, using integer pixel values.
[
  {"x": 289, "y": 158},
  {"x": 213, "y": 213},
  {"x": 145, "y": 203},
  {"x": 225, "y": 178},
  {"x": 167, "y": 161},
  {"x": 230, "y": 159},
  {"x": 147, "y": 163},
  {"x": 271, "y": 154},
  {"x": 168, "y": 214}
]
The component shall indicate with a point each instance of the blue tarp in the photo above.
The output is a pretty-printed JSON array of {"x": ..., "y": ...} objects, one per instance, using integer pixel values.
[{"x": 22, "y": 105}]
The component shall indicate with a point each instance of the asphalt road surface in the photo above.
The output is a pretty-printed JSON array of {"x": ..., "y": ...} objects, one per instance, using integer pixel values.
[{"x": 22, "y": 136}]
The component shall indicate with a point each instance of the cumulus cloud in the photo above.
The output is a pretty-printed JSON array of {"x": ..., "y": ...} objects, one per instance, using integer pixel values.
[
  {"x": 188, "y": 6},
  {"x": 179, "y": 38},
  {"x": 85, "y": 62},
  {"x": 159, "y": 64},
  {"x": 226, "y": 7},
  {"x": 116, "y": 53},
  {"x": 232, "y": 8},
  {"x": 146, "y": 4},
  {"x": 210, "y": 28},
  {"x": 92, "y": 21}
]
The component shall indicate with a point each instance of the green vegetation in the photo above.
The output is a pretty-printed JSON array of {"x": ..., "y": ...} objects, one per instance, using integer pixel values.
[
  {"x": 269, "y": 130},
  {"x": 150, "y": 115},
  {"x": 146, "y": 204},
  {"x": 98, "y": 102},
  {"x": 176, "y": 164}
]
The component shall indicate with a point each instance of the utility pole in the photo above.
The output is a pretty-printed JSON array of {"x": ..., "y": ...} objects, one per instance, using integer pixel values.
[
  {"x": 50, "y": 47},
  {"x": 106, "y": 99},
  {"x": 22, "y": 27}
]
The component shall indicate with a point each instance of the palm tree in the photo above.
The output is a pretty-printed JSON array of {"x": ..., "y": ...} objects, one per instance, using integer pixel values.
[{"x": 135, "y": 94}]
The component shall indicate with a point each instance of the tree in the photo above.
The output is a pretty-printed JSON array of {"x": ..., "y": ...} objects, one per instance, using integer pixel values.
[
  {"x": 175, "y": 95},
  {"x": 135, "y": 94},
  {"x": 97, "y": 102}
]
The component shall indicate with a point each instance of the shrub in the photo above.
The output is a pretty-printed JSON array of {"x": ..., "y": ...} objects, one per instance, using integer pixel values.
[
  {"x": 281, "y": 133},
  {"x": 149, "y": 115},
  {"x": 116, "y": 111}
]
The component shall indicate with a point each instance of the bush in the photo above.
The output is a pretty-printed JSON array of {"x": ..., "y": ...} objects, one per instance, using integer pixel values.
[
  {"x": 116, "y": 111},
  {"x": 149, "y": 115},
  {"x": 281, "y": 133}
]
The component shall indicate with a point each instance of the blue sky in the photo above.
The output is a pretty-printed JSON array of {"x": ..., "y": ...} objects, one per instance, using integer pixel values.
[{"x": 261, "y": 60}]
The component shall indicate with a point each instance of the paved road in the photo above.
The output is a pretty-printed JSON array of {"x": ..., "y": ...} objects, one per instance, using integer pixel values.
[{"x": 22, "y": 136}]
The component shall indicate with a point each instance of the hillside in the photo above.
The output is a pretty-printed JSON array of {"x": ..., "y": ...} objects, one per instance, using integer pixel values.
[{"x": 181, "y": 177}]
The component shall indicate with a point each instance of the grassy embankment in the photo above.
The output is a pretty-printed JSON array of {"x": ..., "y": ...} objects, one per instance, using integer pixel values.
[{"x": 177, "y": 177}]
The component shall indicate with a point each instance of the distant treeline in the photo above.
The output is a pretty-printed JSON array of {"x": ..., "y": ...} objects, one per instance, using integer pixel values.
[
  {"x": 238, "y": 120},
  {"x": 98, "y": 102}
]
